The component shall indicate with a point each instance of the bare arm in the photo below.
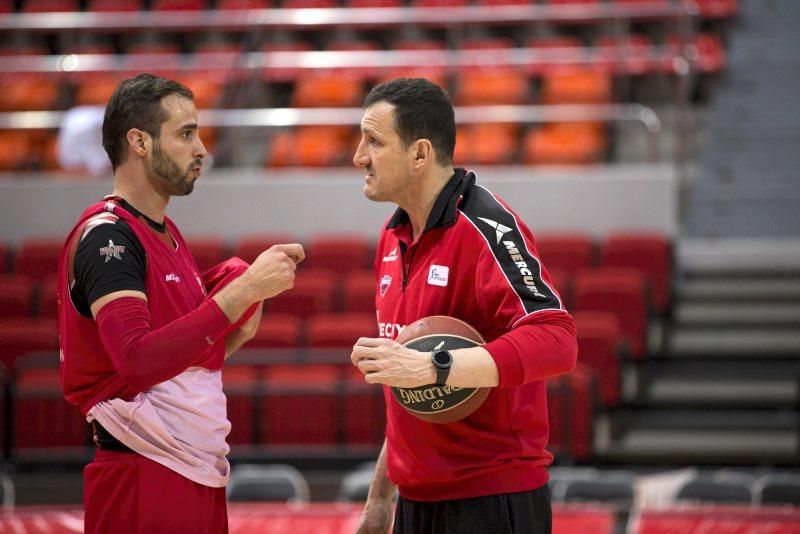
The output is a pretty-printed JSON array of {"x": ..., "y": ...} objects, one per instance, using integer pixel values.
[{"x": 377, "y": 514}]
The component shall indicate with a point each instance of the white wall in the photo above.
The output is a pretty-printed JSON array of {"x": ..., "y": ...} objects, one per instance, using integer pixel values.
[{"x": 301, "y": 203}]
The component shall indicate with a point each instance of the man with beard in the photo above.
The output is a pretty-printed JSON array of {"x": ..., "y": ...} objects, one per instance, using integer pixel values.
[{"x": 144, "y": 336}]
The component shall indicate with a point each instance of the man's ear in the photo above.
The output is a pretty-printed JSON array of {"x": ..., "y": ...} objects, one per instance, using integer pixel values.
[
  {"x": 139, "y": 141},
  {"x": 423, "y": 152}
]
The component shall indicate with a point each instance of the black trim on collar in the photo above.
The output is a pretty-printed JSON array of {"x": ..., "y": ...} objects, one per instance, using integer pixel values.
[
  {"x": 445, "y": 207},
  {"x": 124, "y": 204}
]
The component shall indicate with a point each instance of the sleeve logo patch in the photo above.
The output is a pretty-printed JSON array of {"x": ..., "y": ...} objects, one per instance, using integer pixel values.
[
  {"x": 437, "y": 275},
  {"x": 112, "y": 251}
]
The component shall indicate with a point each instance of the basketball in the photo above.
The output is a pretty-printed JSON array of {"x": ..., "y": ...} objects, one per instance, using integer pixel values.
[{"x": 432, "y": 403}]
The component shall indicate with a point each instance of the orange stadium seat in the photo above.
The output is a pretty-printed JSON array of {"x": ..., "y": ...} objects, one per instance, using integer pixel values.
[
  {"x": 21, "y": 336},
  {"x": 16, "y": 296},
  {"x": 358, "y": 291},
  {"x": 47, "y": 297},
  {"x": 29, "y": 92},
  {"x": 621, "y": 292},
  {"x": 310, "y": 389},
  {"x": 15, "y": 149},
  {"x": 206, "y": 251},
  {"x": 565, "y": 252},
  {"x": 278, "y": 331},
  {"x": 310, "y": 146},
  {"x": 598, "y": 347},
  {"x": 340, "y": 329},
  {"x": 490, "y": 143},
  {"x": 312, "y": 294},
  {"x": 239, "y": 383},
  {"x": 578, "y": 86},
  {"x": 249, "y": 247},
  {"x": 569, "y": 44},
  {"x": 42, "y": 418},
  {"x": 364, "y": 409},
  {"x": 564, "y": 143},
  {"x": 48, "y": 6},
  {"x": 95, "y": 88},
  {"x": 645, "y": 252},
  {"x": 328, "y": 89},
  {"x": 338, "y": 252},
  {"x": 38, "y": 257}
]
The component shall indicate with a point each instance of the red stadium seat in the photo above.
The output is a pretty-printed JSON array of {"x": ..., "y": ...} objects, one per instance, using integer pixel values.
[
  {"x": 298, "y": 4},
  {"x": 439, "y": 3},
  {"x": 340, "y": 329},
  {"x": 47, "y": 298},
  {"x": 312, "y": 294},
  {"x": 571, "y": 403},
  {"x": 6, "y": 6},
  {"x": 340, "y": 253},
  {"x": 206, "y": 251},
  {"x": 278, "y": 331},
  {"x": 565, "y": 252},
  {"x": 598, "y": 343},
  {"x": 645, "y": 252},
  {"x": 244, "y": 4},
  {"x": 239, "y": 383},
  {"x": 49, "y": 6},
  {"x": 114, "y": 5},
  {"x": 21, "y": 336},
  {"x": 569, "y": 45},
  {"x": 364, "y": 409},
  {"x": 358, "y": 291},
  {"x": 38, "y": 257},
  {"x": 310, "y": 389},
  {"x": 42, "y": 418},
  {"x": 434, "y": 73},
  {"x": 374, "y": 3},
  {"x": 16, "y": 296},
  {"x": 718, "y": 9},
  {"x": 3, "y": 257},
  {"x": 626, "y": 55},
  {"x": 179, "y": 5},
  {"x": 709, "y": 48},
  {"x": 621, "y": 292},
  {"x": 249, "y": 247},
  {"x": 563, "y": 284}
]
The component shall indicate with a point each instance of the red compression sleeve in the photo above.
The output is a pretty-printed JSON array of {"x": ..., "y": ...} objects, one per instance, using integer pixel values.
[
  {"x": 544, "y": 346},
  {"x": 145, "y": 357}
]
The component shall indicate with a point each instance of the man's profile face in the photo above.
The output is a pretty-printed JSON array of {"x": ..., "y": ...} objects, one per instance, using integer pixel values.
[
  {"x": 177, "y": 156},
  {"x": 382, "y": 154}
]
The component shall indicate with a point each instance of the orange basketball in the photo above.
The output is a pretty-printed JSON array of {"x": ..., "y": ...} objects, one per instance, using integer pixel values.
[{"x": 432, "y": 403}]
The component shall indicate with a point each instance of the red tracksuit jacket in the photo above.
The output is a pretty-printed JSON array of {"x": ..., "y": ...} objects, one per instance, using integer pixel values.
[{"x": 475, "y": 261}]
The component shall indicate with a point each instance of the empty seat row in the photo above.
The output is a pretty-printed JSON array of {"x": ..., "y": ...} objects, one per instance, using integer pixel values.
[{"x": 708, "y": 8}]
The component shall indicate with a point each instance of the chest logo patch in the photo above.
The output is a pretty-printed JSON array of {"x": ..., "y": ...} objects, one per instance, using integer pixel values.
[
  {"x": 112, "y": 251},
  {"x": 386, "y": 281},
  {"x": 437, "y": 275},
  {"x": 172, "y": 277},
  {"x": 392, "y": 256}
]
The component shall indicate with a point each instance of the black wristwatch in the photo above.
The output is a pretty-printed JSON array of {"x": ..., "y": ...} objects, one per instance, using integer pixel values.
[{"x": 442, "y": 360}]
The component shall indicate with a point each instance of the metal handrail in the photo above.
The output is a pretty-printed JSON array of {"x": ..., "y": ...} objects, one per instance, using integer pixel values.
[
  {"x": 284, "y": 117},
  {"x": 313, "y": 18},
  {"x": 449, "y": 60}
]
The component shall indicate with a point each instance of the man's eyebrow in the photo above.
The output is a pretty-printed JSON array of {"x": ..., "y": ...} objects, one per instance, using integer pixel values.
[{"x": 190, "y": 126}]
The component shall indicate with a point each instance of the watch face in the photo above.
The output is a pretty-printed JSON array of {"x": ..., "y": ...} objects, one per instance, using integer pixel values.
[{"x": 443, "y": 358}]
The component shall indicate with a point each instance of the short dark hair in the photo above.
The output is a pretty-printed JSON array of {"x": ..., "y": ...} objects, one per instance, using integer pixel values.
[
  {"x": 422, "y": 110},
  {"x": 136, "y": 103}
]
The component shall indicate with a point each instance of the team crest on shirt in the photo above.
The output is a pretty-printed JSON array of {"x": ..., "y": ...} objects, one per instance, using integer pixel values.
[
  {"x": 386, "y": 281},
  {"x": 112, "y": 251}
]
